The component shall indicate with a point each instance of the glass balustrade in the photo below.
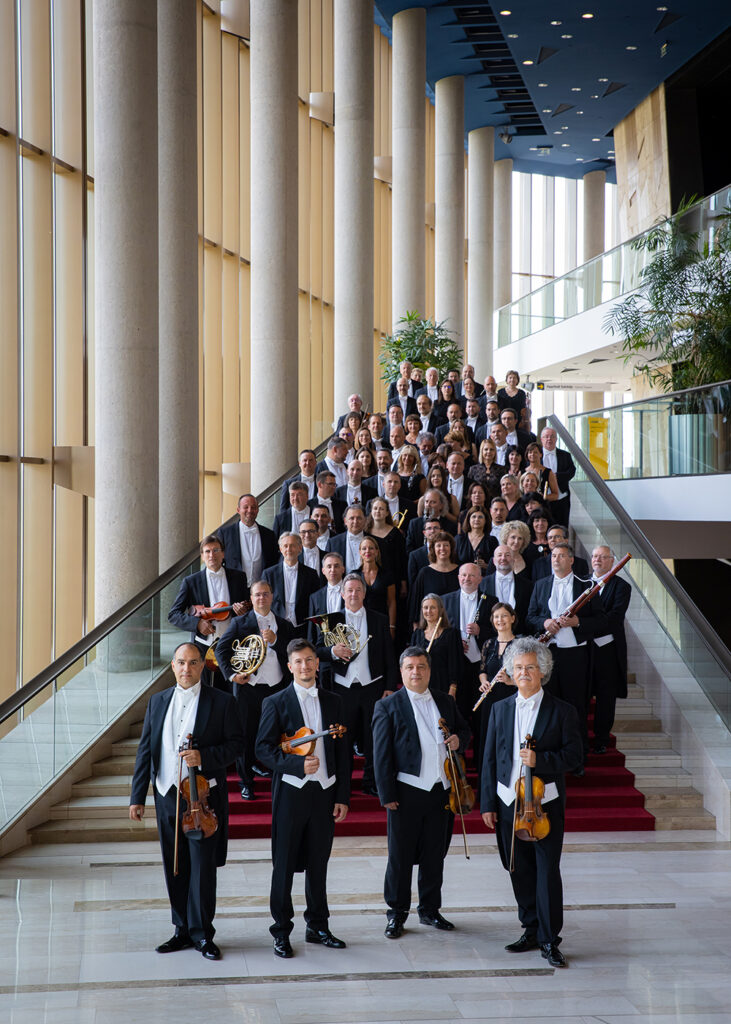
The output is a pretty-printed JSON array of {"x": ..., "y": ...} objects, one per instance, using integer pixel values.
[
  {"x": 614, "y": 273},
  {"x": 681, "y": 434}
]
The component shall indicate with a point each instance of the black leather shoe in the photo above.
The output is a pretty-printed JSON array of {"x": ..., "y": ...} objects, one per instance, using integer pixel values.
[
  {"x": 601, "y": 749},
  {"x": 247, "y": 793},
  {"x": 176, "y": 943},
  {"x": 370, "y": 791},
  {"x": 283, "y": 947},
  {"x": 394, "y": 928},
  {"x": 436, "y": 921},
  {"x": 324, "y": 938},
  {"x": 208, "y": 949},
  {"x": 523, "y": 944},
  {"x": 263, "y": 773},
  {"x": 579, "y": 772},
  {"x": 551, "y": 952}
]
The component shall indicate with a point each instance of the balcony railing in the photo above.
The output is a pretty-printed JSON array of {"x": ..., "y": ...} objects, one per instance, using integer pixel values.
[
  {"x": 685, "y": 433},
  {"x": 614, "y": 273}
]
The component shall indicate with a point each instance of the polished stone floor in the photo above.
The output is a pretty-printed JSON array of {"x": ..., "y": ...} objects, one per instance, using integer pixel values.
[{"x": 647, "y": 934}]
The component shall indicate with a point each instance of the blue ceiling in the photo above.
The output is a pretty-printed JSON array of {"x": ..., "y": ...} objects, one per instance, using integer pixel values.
[{"x": 582, "y": 76}]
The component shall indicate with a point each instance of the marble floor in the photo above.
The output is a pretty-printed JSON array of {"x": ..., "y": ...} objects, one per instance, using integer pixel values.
[{"x": 647, "y": 936}]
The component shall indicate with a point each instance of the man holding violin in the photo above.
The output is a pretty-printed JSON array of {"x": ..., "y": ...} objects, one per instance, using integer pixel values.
[
  {"x": 310, "y": 794},
  {"x": 555, "y": 748},
  {"x": 212, "y": 718},
  {"x": 409, "y": 758}
]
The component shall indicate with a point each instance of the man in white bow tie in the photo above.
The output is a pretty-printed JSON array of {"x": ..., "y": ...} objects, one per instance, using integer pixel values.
[
  {"x": 310, "y": 795},
  {"x": 555, "y": 749}
]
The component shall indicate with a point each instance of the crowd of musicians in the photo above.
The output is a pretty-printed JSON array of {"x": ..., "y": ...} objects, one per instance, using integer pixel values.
[{"x": 398, "y": 595}]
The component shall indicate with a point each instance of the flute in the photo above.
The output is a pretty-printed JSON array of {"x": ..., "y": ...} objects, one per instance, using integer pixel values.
[
  {"x": 490, "y": 686},
  {"x": 434, "y": 634}
]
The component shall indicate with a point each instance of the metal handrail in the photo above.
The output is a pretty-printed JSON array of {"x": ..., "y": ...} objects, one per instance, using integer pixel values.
[
  {"x": 45, "y": 678},
  {"x": 701, "y": 624},
  {"x": 671, "y": 395}
]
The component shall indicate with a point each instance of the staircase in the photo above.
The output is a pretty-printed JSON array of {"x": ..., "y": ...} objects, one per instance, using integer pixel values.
[{"x": 639, "y": 787}]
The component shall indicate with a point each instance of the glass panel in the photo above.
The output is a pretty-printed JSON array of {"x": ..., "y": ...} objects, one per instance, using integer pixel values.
[
  {"x": 594, "y": 522},
  {"x": 682, "y": 434},
  {"x": 606, "y": 277}
]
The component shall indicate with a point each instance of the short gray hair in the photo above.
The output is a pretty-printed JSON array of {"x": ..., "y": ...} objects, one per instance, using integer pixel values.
[
  {"x": 287, "y": 535},
  {"x": 529, "y": 645}
]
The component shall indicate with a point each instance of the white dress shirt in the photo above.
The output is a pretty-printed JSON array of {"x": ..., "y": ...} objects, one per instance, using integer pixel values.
[
  {"x": 354, "y": 495},
  {"x": 298, "y": 518},
  {"x": 432, "y": 392},
  {"x": 601, "y": 641},
  {"x": 352, "y": 552},
  {"x": 339, "y": 471},
  {"x": 562, "y": 597},
  {"x": 309, "y": 699},
  {"x": 252, "y": 560},
  {"x": 359, "y": 669},
  {"x": 217, "y": 591},
  {"x": 550, "y": 461},
  {"x": 311, "y": 558},
  {"x": 270, "y": 672},
  {"x": 512, "y": 438},
  {"x": 323, "y": 541},
  {"x": 311, "y": 486},
  {"x": 467, "y": 611},
  {"x": 455, "y": 486},
  {"x": 526, "y": 713},
  {"x": 179, "y": 721},
  {"x": 334, "y": 598},
  {"x": 471, "y": 422},
  {"x": 289, "y": 572},
  {"x": 505, "y": 587},
  {"x": 393, "y": 506},
  {"x": 431, "y": 741},
  {"x": 425, "y": 421},
  {"x": 403, "y": 402},
  {"x": 495, "y": 530},
  {"x": 501, "y": 453}
]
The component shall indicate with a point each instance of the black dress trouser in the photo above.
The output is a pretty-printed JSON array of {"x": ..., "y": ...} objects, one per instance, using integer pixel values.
[
  {"x": 192, "y": 892},
  {"x": 418, "y": 833},
  {"x": 250, "y": 697}
]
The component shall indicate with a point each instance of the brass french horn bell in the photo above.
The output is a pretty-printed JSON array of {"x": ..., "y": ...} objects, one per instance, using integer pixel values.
[{"x": 250, "y": 654}]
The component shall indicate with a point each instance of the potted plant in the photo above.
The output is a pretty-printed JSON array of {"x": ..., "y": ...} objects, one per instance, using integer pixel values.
[{"x": 423, "y": 342}]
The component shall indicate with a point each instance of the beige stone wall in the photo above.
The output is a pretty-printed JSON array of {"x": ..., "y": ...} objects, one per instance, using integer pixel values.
[{"x": 641, "y": 153}]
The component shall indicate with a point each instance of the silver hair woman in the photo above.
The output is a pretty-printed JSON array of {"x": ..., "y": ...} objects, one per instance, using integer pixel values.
[{"x": 529, "y": 645}]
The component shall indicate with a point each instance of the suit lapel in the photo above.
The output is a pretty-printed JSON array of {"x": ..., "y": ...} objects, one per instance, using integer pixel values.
[
  {"x": 161, "y": 711},
  {"x": 544, "y": 713},
  {"x": 293, "y": 706},
  {"x": 205, "y": 701},
  {"x": 408, "y": 713}
]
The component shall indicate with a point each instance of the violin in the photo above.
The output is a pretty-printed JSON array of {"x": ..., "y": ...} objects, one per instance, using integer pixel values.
[
  {"x": 218, "y": 612},
  {"x": 199, "y": 821},
  {"x": 461, "y": 794},
  {"x": 530, "y": 821},
  {"x": 303, "y": 740}
]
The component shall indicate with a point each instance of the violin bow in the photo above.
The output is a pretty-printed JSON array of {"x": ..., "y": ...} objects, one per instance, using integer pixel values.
[
  {"x": 515, "y": 818},
  {"x": 177, "y": 814},
  {"x": 450, "y": 755}
]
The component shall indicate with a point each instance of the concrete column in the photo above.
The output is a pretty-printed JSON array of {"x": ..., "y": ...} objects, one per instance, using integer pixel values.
[
  {"x": 126, "y": 300},
  {"x": 594, "y": 183},
  {"x": 177, "y": 107},
  {"x": 408, "y": 141},
  {"x": 593, "y": 399},
  {"x": 449, "y": 278},
  {"x": 480, "y": 148},
  {"x": 353, "y": 72},
  {"x": 274, "y": 322},
  {"x": 503, "y": 276}
]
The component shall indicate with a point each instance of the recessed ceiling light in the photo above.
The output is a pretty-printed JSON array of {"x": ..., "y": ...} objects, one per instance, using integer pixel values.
[
  {"x": 602, "y": 79},
  {"x": 557, "y": 133},
  {"x": 610, "y": 151},
  {"x": 579, "y": 159},
  {"x": 565, "y": 145},
  {"x": 543, "y": 85},
  {"x": 567, "y": 35},
  {"x": 505, "y": 13},
  {"x": 630, "y": 47},
  {"x": 587, "y": 16},
  {"x": 546, "y": 110},
  {"x": 527, "y": 61},
  {"x": 579, "y": 112},
  {"x": 595, "y": 96},
  {"x": 662, "y": 8},
  {"x": 557, "y": 23},
  {"x": 564, "y": 127},
  {"x": 512, "y": 35},
  {"x": 575, "y": 88},
  {"x": 596, "y": 140}
]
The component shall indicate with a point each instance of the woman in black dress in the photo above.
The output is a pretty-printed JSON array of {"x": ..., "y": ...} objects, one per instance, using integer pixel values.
[
  {"x": 516, "y": 536},
  {"x": 439, "y": 577},
  {"x": 367, "y": 458},
  {"x": 547, "y": 483},
  {"x": 494, "y": 681},
  {"x": 477, "y": 497},
  {"x": 510, "y": 491},
  {"x": 514, "y": 460},
  {"x": 511, "y": 396},
  {"x": 391, "y": 541},
  {"x": 444, "y": 643},
  {"x": 380, "y": 584},
  {"x": 538, "y": 523},
  {"x": 475, "y": 544},
  {"x": 408, "y": 467},
  {"x": 488, "y": 471}
]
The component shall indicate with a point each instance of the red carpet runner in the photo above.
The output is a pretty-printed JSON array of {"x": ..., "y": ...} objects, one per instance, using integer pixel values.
[{"x": 604, "y": 800}]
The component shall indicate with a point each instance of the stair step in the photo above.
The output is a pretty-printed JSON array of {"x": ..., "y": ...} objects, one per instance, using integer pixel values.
[
  {"x": 97, "y": 830},
  {"x": 633, "y": 741},
  {"x": 114, "y": 766},
  {"x": 638, "y": 760},
  {"x": 630, "y": 724},
  {"x": 125, "y": 748},
  {"x": 662, "y": 800},
  {"x": 103, "y": 785},
  {"x": 685, "y": 818}
]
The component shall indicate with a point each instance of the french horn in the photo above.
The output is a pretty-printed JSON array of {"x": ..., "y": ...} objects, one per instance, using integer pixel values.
[
  {"x": 250, "y": 654},
  {"x": 343, "y": 634}
]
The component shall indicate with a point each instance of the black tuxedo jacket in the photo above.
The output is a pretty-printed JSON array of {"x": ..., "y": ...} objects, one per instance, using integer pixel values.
[
  {"x": 396, "y": 746},
  {"x": 418, "y": 558},
  {"x": 592, "y": 620},
  {"x": 432, "y": 423},
  {"x": 442, "y": 431},
  {"x": 194, "y": 590},
  {"x": 557, "y": 744},
  {"x": 565, "y": 469},
  {"x": 482, "y": 432},
  {"x": 415, "y": 532},
  {"x": 367, "y": 493},
  {"x": 523, "y": 591},
  {"x": 281, "y": 714},
  {"x": 322, "y": 467},
  {"x": 542, "y": 568},
  {"x": 451, "y": 604},
  {"x": 410, "y": 406},
  {"x": 372, "y": 482},
  {"x": 318, "y": 605},
  {"x": 381, "y": 659},
  {"x": 219, "y": 736},
  {"x": 308, "y": 581},
  {"x": 615, "y": 598},
  {"x": 232, "y": 545},
  {"x": 283, "y": 522},
  {"x": 339, "y": 508},
  {"x": 485, "y": 398},
  {"x": 414, "y": 387},
  {"x": 320, "y": 556},
  {"x": 245, "y": 626},
  {"x": 284, "y": 496}
]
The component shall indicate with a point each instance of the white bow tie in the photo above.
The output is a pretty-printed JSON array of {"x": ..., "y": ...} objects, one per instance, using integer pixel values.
[
  {"x": 525, "y": 702},
  {"x": 422, "y": 696},
  {"x": 249, "y": 529}
]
